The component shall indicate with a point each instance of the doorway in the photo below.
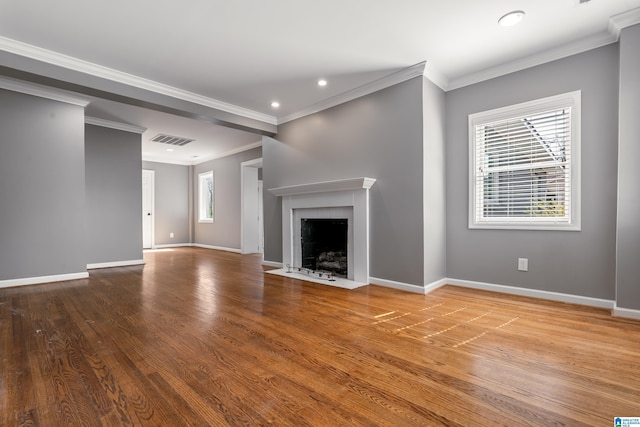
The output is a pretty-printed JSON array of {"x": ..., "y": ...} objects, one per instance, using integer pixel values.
[
  {"x": 148, "y": 189},
  {"x": 251, "y": 209}
]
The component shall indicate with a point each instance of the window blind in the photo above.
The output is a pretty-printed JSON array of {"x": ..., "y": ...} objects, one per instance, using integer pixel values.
[{"x": 523, "y": 168}]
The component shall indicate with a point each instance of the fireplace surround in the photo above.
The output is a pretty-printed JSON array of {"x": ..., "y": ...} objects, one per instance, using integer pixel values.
[{"x": 346, "y": 198}]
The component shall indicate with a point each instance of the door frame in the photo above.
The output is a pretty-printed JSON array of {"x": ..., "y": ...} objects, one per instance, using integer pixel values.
[
  {"x": 244, "y": 195},
  {"x": 152, "y": 188}
]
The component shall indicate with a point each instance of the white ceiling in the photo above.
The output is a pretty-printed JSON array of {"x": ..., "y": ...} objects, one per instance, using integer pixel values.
[{"x": 248, "y": 53}]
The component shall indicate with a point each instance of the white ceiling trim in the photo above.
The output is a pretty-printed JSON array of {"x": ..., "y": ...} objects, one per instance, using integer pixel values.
[
  {"x": 75, "y": 64},
  {"x": 435, "y": 77},
  {"x": 559, "y": 52},
  {"x": 247, "y": 147},
  {"x": 203, "y": 159},
  {"x": 114, "y": 125},
  {"x": 41, "y": 91},
  {"x": 616, "y": 24},
  {"x": 623, "y": 20},
  {"x": 382, "y": 83}
]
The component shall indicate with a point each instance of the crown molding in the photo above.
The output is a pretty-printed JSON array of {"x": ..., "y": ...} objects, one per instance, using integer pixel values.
[
  {"x": 68, "y": 62},
  {"x": 114, "y": 125},
  {"x": 616, "y": 24},
  {"x": 157, "y": 159},
  {"x": 559, "y": 52},
  {"x": 41, "y": 91},
  {"x": 374, "y": 86},
  {"x": 623, "y": 20},
  {"x": 204, "y": 159},
  {"x": 247, "y": 147},
  {"x": 436, "y": 77}
]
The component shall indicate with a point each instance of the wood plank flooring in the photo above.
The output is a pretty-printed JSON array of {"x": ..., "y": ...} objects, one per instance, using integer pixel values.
[{"x": 199, "y": 337}]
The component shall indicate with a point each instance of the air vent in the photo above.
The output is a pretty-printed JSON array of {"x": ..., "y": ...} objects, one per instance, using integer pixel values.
[{"x": 171, "y": 140}]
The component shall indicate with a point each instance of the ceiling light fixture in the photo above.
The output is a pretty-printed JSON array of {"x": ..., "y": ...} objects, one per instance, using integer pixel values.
[
  {"x": 169, "y": 149},
  {"x": 511, "y": 18},
  {"x": 322, "y": 82},
  {"x": 275, "y": 104}
]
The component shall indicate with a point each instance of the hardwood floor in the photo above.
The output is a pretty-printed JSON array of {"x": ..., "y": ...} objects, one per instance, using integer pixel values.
[{"x": 200, "y": 337}]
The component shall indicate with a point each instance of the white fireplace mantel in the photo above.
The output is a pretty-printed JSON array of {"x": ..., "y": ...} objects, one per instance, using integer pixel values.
[
  {"x": 325, "y": 186},
  {"x": 313, "y": 197}
]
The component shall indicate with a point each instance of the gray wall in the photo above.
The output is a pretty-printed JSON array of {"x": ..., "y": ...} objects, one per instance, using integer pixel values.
[
  {"x": 628, "y": 244},
  {"x": 434, "y": 184},
  {"x": 377, "y": 136},
  {"x": 225, "y": 230},
  {"x": 42, "y": 188},
  {"x": 114, "y": 195},
  {"x": 171, "y": 207},
  {"x": 579, "y": 263}
]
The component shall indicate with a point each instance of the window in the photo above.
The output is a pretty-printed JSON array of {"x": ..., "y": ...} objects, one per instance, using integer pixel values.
[
  {"x": 525, "y": 165},
  {"x": 205, "y": 197}
]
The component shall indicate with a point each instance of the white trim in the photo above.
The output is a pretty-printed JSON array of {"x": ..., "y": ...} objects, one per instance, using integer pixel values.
[
  {"x": 616, "y": 24},
  {"x": 325, "y": 186},
  {"x": 346, "y": 193},
  {"x": 40, "y": 91},
  {"x": 625, "y": 312},
  {"x": 272, "y": 264},
  {"x": 435, "y": 76},
  {"x": 534, "y": 293},
  {"x": 245, "y": 194},
  {"x": 171, "y": 245},
  {"x": 114, "y": 125},
  {"x": 416, "y": 289},
  {"x": 115, "y": 264},
  {"x": 217, "y": 248},
  {"x": 152, "y": 237},
  {"x": 42, "y": 279},
  {"x": 200, "y": 160},
  {"x": 214, "y": 156},
  {"x": 382, "y": 83},
  {"x": 202, "y": 218},
  {"x": 68, "y": 62},
  {"x": 338, "y": 282},
  {"x": 623, "y": 20},
  {"x": 548, "y": 55},
  {"x": 569, "y": 99}
]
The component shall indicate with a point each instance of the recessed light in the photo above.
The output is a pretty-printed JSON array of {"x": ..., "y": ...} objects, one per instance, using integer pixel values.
[
  {"x": 511, "y": 18},
  {"x": 275, "y": 104},
  {"x": 169, "y": 149},
  {"x": 322, "y": 82}
]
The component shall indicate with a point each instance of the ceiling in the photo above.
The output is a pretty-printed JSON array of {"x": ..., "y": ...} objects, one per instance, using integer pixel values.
[{"x": 244, "y": 54}]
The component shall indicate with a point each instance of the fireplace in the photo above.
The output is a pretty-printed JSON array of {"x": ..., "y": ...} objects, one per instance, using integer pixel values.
[
  {"x": 324, "y": 245},
  {"x": 328, "y": 203}
]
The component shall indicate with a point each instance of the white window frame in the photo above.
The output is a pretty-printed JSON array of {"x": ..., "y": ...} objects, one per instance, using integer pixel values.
[
  {"x": 570, "y": 100},
  {"x": 203, "y": 206}
]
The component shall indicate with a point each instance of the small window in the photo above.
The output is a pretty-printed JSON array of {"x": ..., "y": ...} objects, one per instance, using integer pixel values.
[
  {"x": 205, "y": 199},
  {"x": 525, "y": 165}
]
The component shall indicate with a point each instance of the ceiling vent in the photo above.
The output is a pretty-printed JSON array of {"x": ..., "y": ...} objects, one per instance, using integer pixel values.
[{"x": 171, "y": 140}]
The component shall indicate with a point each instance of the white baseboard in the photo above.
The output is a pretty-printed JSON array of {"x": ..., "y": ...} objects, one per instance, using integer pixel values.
[
  {"x": 625, "y": 312},
  {"x": 416, "y": 289},
  {"x": 435, "y": 285},
  {"x": 115, "y": 264},
  {"x": 218, "y": 248},
  {"x": 42, "y": 279},
  {"x": 173, "y": 245},
  {"x": 526, "y": 292},
  {"x": 272, "y": 264}
]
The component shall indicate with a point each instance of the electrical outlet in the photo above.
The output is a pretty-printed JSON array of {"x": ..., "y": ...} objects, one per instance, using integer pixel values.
[
  {"x": 171, "y": 235},
  {"x": 523, "y": 264}
]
